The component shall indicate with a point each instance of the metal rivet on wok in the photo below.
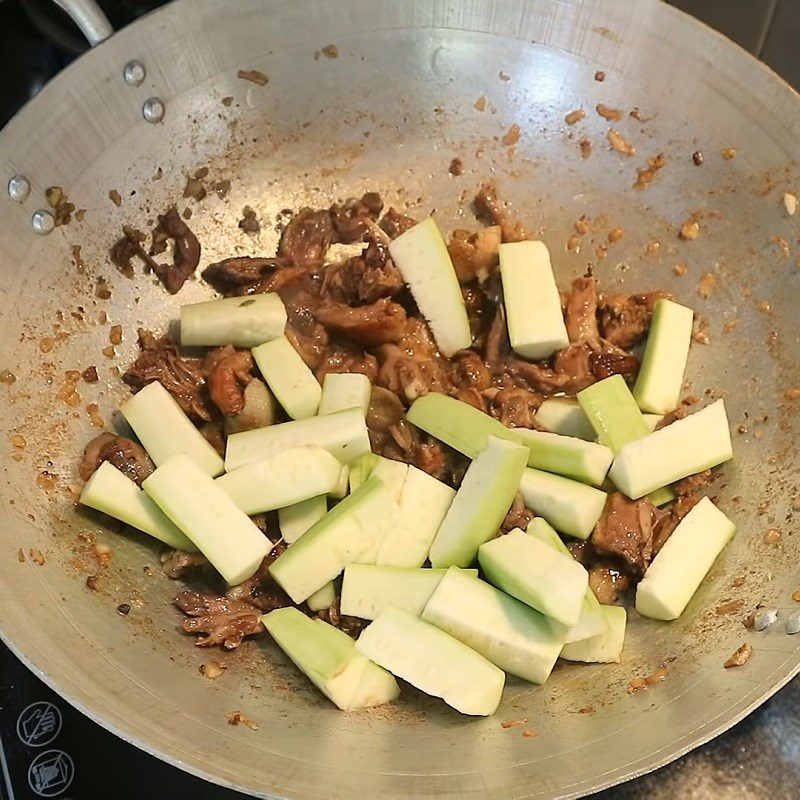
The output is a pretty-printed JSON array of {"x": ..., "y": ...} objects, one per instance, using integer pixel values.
[
  {"x": 19, "y": 187},
  {"x": 153, "y": 109},
  {"x": 43, "y": 221},
  {"x": 134, "y": 73}
]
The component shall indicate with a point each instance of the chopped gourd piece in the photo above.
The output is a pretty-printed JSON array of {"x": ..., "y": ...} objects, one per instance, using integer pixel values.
[
  {"x": 536, "y": 326},
  {"x": 115, "y": 494},
  {"x": 480, "y": 504},
  {"x": 433, "y": 661},
  {"x": 361, "y": 469},
  {"x": 328, "y": 657},
  {"x": 342, "y": 484},
  {"x": 392, "y": 473},
  {"x": 510, "y": 634},
  {"x": 535, "y": 573},
  {"x": 422, "y": 258},
  {"x": 680, "y": 566},
  {"x": 424, "y": 502},
  {"x": 658, "y": 385},
  {"x": 240, "y": 321},
  {"x": 697, "y": 442},
  {"x": 323, "y": 598},
  {"x": 164, "y": 430},
  {"x": 344, "y": 434},
  {"x": 459, "y": 425},
  {"x": 591, "y": 621},
  {"x": 223, "y": 533},
  {"x": 565, "y": 455},
  {"x": 652, "y": 420},
  {"x": 565, "y": 416},
  {"x": 612, "y": 410},
  {"x": 569, "y": 506},
  {"x": 368, "y": 589},
  {"x": 289, "y": 378},
  {"x": 351, "y": 532},
  {"x": 296, "y": 519},
  {"x": 605, "y": 648},
  {"x": 281, "y": 480},
  {"x": 343, "y": 390}
]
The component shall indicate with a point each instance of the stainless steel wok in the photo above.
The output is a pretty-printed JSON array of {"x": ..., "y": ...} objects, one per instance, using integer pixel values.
[{"x": 389, "y": 114}]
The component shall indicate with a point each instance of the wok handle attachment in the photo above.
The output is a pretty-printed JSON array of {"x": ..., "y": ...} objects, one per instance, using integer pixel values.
[{"x": 88, "y": 16}]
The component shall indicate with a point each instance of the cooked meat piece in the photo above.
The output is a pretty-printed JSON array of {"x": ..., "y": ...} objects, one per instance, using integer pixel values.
[
  {"x": 351, "y": 219},
  {"x": 668, "y": 520},
  {"x": 539, "y": 377},
  {"x": 608, "y": 581},
  {"x": 378, "y": 323},
  {"x": 475, "y": 255},
  {"x": 479, "y": 313},
  {"x": 261, "y": 590},
  {"x": 431, "y": 456},
  {"x": 345, "y": 357},
  {"x": 258, "y": 412},
  {"x": 604, "y": 364},
  {"x": 182, "y": 377},
  {"x": 127, "y": 456},
  {"x": 693, "y": 484},
  {"x": 312, "y": 345},
  {"x": 580, "y": 310},
  {"x": 186, "y": 255},
  {"x": 352, "y": 626},
  {"x": 498, "y": 346},
  {"x": 223, "y": 621},
  {"x": 626, "y": 529},
  {"x": 519, "y": 515},
  {"x": 683, "y": 410},
  {"x": 468, "y": 371},
  {"x": 515, "y": 407},
  {"x": 575, "y": 364},
  {"x": 491, "y": 211},
  {"x": 227, "y": 372},
  {"x": 177, "y": 563},
  {"x": 306, "y": 239},
  {"x": 418, "y": 377},
  {"x": 385, "y": 411},
  {"x": 214, "y": 433},
  {"x": 625, "y": 318},
  {"x": 580, "y": 550},
  {"x": 364, "y": 278},
  {"x": 474, "y": 398},
  {"x": 245, "y": 274},
  {"x": 124, "y": 250},
  {"x": 394, "y": 223}
]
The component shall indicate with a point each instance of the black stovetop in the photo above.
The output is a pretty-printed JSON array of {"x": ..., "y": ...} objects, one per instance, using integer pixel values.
[{"x": 50, "y": 750}]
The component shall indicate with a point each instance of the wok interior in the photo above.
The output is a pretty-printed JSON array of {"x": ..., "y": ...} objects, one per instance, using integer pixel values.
[{"x": 388, "y": 115}]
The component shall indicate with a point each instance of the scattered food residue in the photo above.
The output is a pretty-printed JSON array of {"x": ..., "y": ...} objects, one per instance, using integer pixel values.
[
  {"x": 93, "y": 412},
  {"x": 707, "y": 284},
  {"x": 18, "y": 441},
  {"x": 732, "y": 607},
  {"x": 783, "y": 245},
  {"x": 690, "y": 230},
  {"x": 330, "y": 51},
  {"x": 740, "y": 656},
  {"x": 511, "y": 136},
  {"x": 790, "y": 203},
  {"x": 697, "y": 158},
  {"x": 645, "y": 175},
  {"x": 254, "y": 76},
  {"x": 574, "y": 244},
  {"x": 652, "y": 247},
  {"x": 249, "y": 222},
  {"x": 656, "y": 677},
  {"x": 504, "y": 76},
  {"x": 59, "y": 202},
  {"x": 529, "y": 734},
  {"x": 680, "y": 269},
  {"x": 212, "y": 669},
  {"x": 639, "y": 117},
  {"x": 456, "y": 167},
  {"x": 600, "y": 75},
  {"x": 7, "y": 378},
  {"x": 611, "y": 114},
  {"x": 772, "y": 536},
  {"x": 616, "y": 234},
  {"x": 514, "y": 723},
  {"x": 729, "y": 152},
  {"x": 123, "y": 609},
  {"x": 575, "y": 116},
  {"x": 37, "y": 557},
  {"x": 731, "y": 325},
  {"x": 620, "y": 143},
  {"x": 586, "y": 148},
  {"x": 480, "y": 103},
  {"x": 102, "y": 554},
  {"x": 115, "y": 197},
  {"x": 89, "y": 375},
  {"x": 93, "y": 582},
  {"x": 238, "y": 718}
]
